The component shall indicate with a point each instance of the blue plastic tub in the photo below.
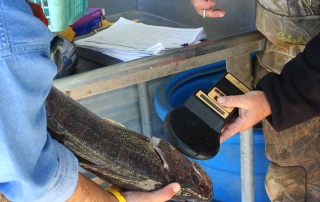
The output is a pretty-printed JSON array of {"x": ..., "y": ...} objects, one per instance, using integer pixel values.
[{"x": 224, "y": 169}]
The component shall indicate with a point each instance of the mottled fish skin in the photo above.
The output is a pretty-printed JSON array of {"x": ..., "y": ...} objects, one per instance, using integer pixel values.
[{"x": 121, "y": 156}]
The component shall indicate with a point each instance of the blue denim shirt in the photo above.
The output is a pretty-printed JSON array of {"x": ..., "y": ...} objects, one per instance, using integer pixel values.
[{"x": 33, "y": 167}]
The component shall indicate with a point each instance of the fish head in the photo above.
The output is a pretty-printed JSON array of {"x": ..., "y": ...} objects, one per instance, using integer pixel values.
[
  {"x": 194, "y": 181},
  {"x": 198, "y": 187}
]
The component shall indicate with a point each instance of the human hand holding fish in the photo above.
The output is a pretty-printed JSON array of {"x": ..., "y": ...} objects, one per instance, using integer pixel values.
[
  {"x": 161, "y": 195},
  {"x": 88, "y": 191}
]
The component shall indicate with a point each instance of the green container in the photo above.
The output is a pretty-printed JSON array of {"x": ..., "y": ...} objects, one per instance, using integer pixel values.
[{"x": 61, "y": 13}]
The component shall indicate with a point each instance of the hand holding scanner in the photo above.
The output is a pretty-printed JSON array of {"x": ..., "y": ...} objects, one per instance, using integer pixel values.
[{"x": 195, "y": 127}]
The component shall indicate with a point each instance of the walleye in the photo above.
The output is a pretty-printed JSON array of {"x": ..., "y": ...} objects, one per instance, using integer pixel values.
[{"x": 121, "y": 156}]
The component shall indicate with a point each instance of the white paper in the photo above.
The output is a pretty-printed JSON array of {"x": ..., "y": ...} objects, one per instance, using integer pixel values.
[{"x": 127, "y": 40}]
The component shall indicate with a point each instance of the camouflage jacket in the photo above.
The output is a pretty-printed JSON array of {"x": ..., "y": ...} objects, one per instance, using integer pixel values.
[{"x": 288, "y": 21}]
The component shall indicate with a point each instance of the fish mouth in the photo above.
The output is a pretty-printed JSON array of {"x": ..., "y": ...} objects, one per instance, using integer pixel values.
[{"x": 205, "y": 180}]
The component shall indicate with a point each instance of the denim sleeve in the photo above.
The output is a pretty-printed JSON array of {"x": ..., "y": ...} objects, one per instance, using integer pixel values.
[{"x": 33, "y": 167}]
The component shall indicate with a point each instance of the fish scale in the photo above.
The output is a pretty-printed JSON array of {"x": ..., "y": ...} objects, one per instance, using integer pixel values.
[{"x": 121, "y": 156}]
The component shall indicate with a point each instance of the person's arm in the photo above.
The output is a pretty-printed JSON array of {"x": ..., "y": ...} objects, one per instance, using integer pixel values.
[
  {"x": 33, "y": 166},
  {"x": 200, "y": 5},
  {"x": 88, "y": 191},
  {"x": 294, "y": 95},
  {"x": 286, "y": 99}
]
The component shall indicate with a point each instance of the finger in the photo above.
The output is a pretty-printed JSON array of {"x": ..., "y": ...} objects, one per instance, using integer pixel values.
[
  {"x": 166, "y": 193},
  {"x": 233, "y": 101},
  {"x": 224, "y": 127},
  {"x": 226, "y": 134},
  {"x": 231, "y": 129},
  {"x": 215, "y": 13},
  {"x": 161, "y": 195}
]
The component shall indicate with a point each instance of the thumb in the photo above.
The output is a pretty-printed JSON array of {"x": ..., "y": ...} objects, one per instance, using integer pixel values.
[
  {"x": 232, "y": 101},
  {"x": 161, "y": 195},
  {"x": 166, "y": 193},
  {"x": 231, "y": 129}
]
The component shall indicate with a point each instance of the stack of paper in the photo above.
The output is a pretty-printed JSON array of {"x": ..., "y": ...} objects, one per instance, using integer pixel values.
[{"x": 127, "y": 40}]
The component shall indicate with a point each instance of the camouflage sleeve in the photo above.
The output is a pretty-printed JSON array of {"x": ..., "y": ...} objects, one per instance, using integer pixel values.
[{"x": 294, "y": 95}]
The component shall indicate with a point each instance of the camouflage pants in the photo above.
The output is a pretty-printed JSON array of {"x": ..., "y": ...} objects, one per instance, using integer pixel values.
[{"x": 294, "y": 171}]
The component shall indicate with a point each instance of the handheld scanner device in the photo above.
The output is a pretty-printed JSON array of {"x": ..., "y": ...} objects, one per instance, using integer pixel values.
[{"x": 195, "y": 127}]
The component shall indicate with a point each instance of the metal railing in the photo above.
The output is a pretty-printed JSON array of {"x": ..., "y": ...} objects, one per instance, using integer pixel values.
[{"x": 236, "y": 50}]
